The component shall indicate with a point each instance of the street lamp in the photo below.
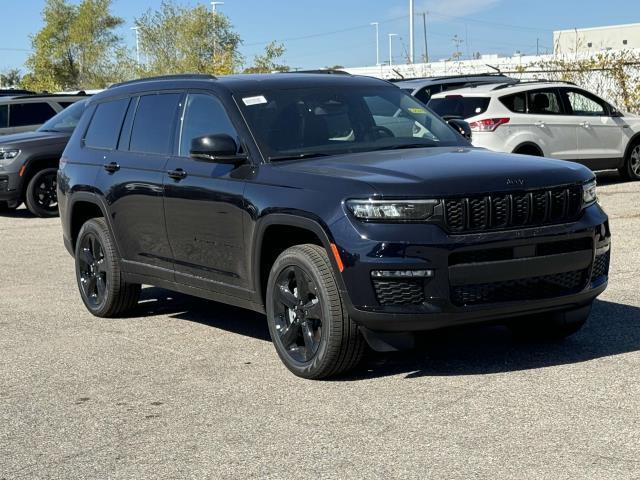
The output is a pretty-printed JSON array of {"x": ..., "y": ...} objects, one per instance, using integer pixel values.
[
  {"x": 377, "y": 25},
  {"x": 391, "y": 35},
  {"x": 137, "y": 30},
  {"x": 214, "y": 5}
]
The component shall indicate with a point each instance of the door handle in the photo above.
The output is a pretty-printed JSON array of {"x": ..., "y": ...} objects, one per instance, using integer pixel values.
[
  {"x": 177, "y": 174},
  {"x": 585, "y": 125},
  {"x": 112, "y": 167},
  {"x": 540, "y": 124}
]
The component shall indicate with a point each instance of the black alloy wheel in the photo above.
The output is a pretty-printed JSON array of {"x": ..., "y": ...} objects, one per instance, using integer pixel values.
[
  {"x": 92, "y": 270},
  {"x": 42, "y": 196},
  {"x": 298, "y": 319}
]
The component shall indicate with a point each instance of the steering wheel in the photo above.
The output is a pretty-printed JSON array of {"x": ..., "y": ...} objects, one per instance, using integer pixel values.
[{"x": 383, "y": 132}]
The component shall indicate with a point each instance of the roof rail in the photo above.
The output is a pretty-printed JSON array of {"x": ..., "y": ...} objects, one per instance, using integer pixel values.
[
  {"x": 526, "y": 82},
  {"x": 447, "y": 77},
  {"x": 326, "y": 71},
  {"x": 181, "y": 76},
  {"x": 50, "y": 95}
]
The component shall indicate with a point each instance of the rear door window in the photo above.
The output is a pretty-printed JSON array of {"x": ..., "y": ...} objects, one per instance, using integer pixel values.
[
  {"x": 516, "y": 103},
  {"x": 24, "y": 114},
  {"x": 459, "y": 106},
  {"x": 544, "y": 102},
  {"x": 154, "y": 123},
  {"x": 104, "y": 129},
  {"x": 4, "y": 116}
]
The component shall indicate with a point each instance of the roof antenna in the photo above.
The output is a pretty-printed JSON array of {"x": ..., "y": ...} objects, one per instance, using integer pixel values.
[
  {"x": 494, "y": 68},
  {"x": 398, "y": 73}
]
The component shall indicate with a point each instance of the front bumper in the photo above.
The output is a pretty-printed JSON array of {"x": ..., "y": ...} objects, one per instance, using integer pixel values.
[
  {"x": 477, "y": 277},
  {"x": 10, "y": 186}
]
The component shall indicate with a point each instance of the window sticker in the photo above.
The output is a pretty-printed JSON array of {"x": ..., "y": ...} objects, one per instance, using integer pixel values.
[
  {"x": 417, "y": 110},
  {"x": 257, "y": 100}
]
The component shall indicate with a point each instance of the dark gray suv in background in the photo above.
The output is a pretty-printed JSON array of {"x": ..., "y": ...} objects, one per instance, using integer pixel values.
[{"x": 29, "y": 162}]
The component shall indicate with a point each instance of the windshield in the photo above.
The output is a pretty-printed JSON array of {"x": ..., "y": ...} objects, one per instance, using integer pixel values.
[
  {"x": 459, "y": 106},
  {"x": 328, "y": 121},
  {"x": 66, "y": 120}
]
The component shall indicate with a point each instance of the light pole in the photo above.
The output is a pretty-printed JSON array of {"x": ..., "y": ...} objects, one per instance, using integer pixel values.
[
  {"x": 411, "y": 33},
  {"x": 377, "y": 25},
  {"x": 214, "y": 5},
  {"x": 391, "y": 35},
  {"x": 137, "y": 30}
]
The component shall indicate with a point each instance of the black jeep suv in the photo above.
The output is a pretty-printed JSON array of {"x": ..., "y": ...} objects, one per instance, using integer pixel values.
[{"x": 339, "y": 206}]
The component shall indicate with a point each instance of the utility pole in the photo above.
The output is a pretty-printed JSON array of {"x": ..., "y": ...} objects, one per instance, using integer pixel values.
[
  {"x": 411, "y": 24},
  {"x": 137, "y": 30},
  {"x": 457, "y": 42},
  {"x": 214, "y": 5},
  {"x": 377, "y": 25},
  {"x": 391, "y": 35},
  {"x": 215, "y": 37},
  {"x": 537, "y": 47},
  {"x": 426, "y": 46}
]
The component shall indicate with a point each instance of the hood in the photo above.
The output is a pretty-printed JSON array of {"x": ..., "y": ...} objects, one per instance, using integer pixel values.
[
  {"x": 23, "y": 140},
  {"x": 445, "y": 171}
]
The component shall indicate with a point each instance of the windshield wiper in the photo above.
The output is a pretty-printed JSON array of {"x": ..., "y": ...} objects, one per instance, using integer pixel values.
[
  {"x": 406, "y": 146},
  {"x": 299, "y": 156}
]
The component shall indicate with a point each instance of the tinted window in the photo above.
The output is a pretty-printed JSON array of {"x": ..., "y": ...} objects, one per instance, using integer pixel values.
[
  {"x": 586, "y": 105},
  {"x": 153, "y": 126},
  {"x": 204, "y": 115},
  {"x": 544, "y": 102},
  {"x": 517, "y": 102},
  {"x": 458, "y": 106},
  {"x": 105, "y": 124},
  {"x": 66, "y": 120},
  {"x": 330, "y": 121},
  {"x": 23, "y": 114},
  {"x": 4, "y": 116}
]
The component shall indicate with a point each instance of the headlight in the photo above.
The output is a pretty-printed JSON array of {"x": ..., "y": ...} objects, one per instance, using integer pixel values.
[
  {"x": 392, "y": 210},
  {"x": 589, "y": 195},
  {"x": 7, "y": 155}
]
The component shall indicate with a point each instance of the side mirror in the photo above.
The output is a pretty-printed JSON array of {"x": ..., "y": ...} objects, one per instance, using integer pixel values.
[
  {"x": 219, "y": 148},
  {"x": 460, "y": 126}
]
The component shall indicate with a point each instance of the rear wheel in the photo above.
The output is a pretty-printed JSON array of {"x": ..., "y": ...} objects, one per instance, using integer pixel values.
[
  {"x": 41, "y": 196},
  {"x": 551, "y": 326},
  {"x": 102, "y": 288},
  {"x": 631, "y": 168},
  {"x": 528, "y": 150},
  {"x": 308, "y": 323}
]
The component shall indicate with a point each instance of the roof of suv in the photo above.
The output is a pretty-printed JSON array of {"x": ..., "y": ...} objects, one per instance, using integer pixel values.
[
  {"x": 244, "y": 82},
  {"x": 490, "y": 90},
  {"x": 480, "y": 77}
]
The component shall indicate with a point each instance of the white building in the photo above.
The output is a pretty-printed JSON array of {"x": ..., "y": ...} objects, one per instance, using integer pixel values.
[{"x": 597, "y": 39}]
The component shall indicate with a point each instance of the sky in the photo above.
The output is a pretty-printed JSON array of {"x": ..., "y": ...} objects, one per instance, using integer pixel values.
[{"x": 319, "y": 33}]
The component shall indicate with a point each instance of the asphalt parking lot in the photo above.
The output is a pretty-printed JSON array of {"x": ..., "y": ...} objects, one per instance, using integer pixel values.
[{"x": 194, "y": 389}]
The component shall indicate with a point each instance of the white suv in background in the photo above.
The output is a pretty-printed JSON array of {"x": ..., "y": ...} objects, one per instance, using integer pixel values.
[{"x": 557, "y": 120}]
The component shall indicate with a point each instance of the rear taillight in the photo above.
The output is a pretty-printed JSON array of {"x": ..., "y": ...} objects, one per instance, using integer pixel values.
[{"x": 488, "y": 125}]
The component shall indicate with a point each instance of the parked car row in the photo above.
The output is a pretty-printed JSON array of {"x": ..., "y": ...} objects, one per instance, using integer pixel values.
[{"x": 341, "y": 207}]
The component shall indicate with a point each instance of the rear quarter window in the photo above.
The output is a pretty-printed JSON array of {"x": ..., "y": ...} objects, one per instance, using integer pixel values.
[
  {"x": 104, "y": 129},
  {"x": 459, "y": 106},
  {"x": 516, "y": 102}
]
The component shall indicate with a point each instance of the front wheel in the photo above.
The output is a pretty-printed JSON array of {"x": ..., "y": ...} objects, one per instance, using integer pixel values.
[
  {"x": 41, "y": 196},
  {"x": 631, "y": 168},
  {"x": 308, "y": 323},
  {"x": 550, "y": 326}
]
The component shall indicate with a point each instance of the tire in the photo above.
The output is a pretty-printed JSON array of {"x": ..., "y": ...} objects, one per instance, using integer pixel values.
[
  {"x": 41, "y": 196},
  {"x": 528, "y": 150},
  {"x": 314, "y": 338},
  {"x": 102, "y": 288},
  {"x": 631, "y": 168},
  {"x": 552, "y": 326}
]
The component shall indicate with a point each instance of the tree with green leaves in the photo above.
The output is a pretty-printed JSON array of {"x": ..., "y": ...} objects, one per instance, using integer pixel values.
[
  {"x": 177, "y": 39},
  {"x": 77, "y": 47},
  {"x": 267, "y": 62},
  {"x": 10, "y": 78}
]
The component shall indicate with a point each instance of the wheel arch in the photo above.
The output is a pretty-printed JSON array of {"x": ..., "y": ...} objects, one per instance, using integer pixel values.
[
  {"x": 84, "y": 206},
  {"x": 633, "y": 141},
  {"x": 528, "y": 145},
  {"x": 34, "y": 165},
  {"x": 268, "y": 243}
]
